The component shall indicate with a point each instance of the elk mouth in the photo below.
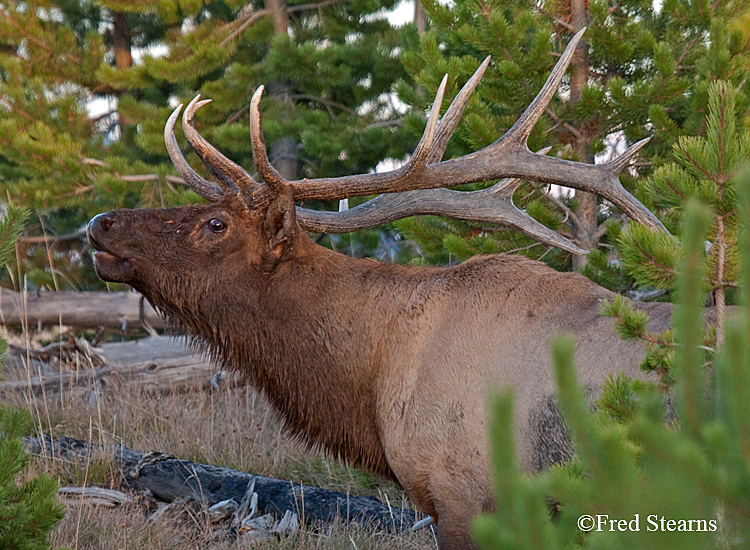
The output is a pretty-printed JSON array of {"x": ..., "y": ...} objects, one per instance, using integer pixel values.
[
  {"x": 113, "y": 268},
  {"x": 108, "y": 265}
]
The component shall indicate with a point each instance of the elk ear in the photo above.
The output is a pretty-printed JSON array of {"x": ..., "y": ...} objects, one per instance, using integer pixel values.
[{"x": 280, "y": 225}]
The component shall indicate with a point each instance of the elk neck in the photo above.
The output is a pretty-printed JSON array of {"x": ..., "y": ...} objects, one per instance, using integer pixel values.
[{"x": 310, "y": 335}]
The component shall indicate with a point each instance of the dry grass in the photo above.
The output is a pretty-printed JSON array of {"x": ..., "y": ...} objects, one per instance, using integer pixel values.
[{"x": 234, "y": 428}]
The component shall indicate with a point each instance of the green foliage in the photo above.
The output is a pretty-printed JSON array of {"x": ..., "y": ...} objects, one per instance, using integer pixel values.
[
  {"x": 521, "y": 520},
  {"x": 604, "y": 272},
  {"x": 633, "y": 325},
  {"x": 650, "y": 258},
  {"x": 639, "y": 482},
  {"x": 29, "y": 509},
  {"x": 11, "y": 226},
  {"x": 707, "y": 170},
  {"x": 618, "y": 401}
]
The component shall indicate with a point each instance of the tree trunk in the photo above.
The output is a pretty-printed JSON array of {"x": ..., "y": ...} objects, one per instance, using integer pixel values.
[
  {"x": 283, "y": 152},
  {"x": 719, "y": 293},
  {"x": 169, "y": 478},
  {"x": 122, "y": 41},
  {"x": 280, "y": 15},
  {"x": 122, "y": 44},
  {"x": 588, "y": 208},
  {"x": 420, "y": 17}
]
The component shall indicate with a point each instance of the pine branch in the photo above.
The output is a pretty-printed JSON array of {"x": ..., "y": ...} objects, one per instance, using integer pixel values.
[
  {"x": 314, "y": 5},
  {"x": 135, "y": 178},
  {"x": 49, "y": 239},
  {"x": 326, "y": 102},
  {"x": 252, "y": 18},
  {"x": 569, "y": 214}
]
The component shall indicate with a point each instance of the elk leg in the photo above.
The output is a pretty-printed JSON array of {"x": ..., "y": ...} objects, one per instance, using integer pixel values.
[
  {"x": 457, "y": 501},
  {"x": 454, "y": 531}
]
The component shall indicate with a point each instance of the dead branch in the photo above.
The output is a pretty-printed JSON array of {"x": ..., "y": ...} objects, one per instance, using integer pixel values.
[
  {"x": 74, "y": 236},
  {"x": 93, "y": 496}
]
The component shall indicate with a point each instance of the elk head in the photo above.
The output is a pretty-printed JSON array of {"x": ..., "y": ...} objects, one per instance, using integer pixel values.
[{"x": 249, "y": 227}]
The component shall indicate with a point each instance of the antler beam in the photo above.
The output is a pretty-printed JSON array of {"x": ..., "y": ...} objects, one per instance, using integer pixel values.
[
  {"x": 488, "y": 205},
  {"x": 492, "y": 205}
]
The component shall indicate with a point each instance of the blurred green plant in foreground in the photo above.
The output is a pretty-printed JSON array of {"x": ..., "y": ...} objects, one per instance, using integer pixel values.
[
  {"x": 654, "y": 471},
  {"x": 29, "y": 508}
]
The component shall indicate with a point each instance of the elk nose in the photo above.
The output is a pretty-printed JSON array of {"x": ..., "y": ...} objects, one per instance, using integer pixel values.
[{"x": 102, "y": 222}]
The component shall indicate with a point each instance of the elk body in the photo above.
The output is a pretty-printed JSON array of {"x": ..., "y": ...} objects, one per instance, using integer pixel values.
[{"x": 389, "y": 366}]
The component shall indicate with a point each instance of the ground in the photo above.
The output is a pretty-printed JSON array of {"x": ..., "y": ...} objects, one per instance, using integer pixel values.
[{"x": 229, "y": 427}]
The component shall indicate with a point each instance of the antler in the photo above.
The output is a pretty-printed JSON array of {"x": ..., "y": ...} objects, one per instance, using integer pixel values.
[
  {"x": 508, "y": 157},
  {"x": 492, "y": 205},
  {"x": 418, "y": 182},
  {"x": 232, "y": 178}
]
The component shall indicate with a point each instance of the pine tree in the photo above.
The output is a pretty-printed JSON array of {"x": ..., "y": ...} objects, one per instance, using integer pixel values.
[
  {"x": 706, "y": 168},
  {"x": 328, "y": 80},
  {"x": 29, "y": 509},
  {"x": 54, "y": 159},
  {"x": 643, "y": 70}
]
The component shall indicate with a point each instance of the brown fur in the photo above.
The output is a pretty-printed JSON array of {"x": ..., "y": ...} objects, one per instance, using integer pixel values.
[{"x": 387, "y": 365}]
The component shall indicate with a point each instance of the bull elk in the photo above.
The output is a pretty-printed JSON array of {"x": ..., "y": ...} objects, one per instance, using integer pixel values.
[{"x": 388, "y": 366}]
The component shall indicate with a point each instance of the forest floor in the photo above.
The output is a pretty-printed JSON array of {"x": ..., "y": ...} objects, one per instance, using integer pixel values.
[{"x": 230, "y": 427}]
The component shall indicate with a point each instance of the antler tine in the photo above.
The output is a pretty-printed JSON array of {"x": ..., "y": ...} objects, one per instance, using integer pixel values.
[
  {"x": 508, "y": 157},
  {"x": 620, "y": 197},
  {"x": 617, "y": 165},
  {"x": 263, "y": 166},
  {"x": 422, "y": 152},
  {"x": 492, "y": 162},
  {"x": 452, "y": 116},
  {"x": 230, "y": 175},
  {"x": 206, "y": 189},
  {"x": 521, "y": 130},
  {"x": 199, "y": 145}
]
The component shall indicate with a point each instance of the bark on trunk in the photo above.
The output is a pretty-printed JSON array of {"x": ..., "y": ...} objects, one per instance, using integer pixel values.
[
  {"x": 169, "y": 478},
  {"x": 587, "y": 211},
  {"x": 420, "y": 17},
  {"x": 122, "y": 44},
  {"x": 283, "y": 153},
  {"x": 122, "y": 41},
  {"x": 719, "y": 293}
]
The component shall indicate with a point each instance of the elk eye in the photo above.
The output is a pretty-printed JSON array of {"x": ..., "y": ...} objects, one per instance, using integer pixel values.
[{"x": 216, "y": 225}]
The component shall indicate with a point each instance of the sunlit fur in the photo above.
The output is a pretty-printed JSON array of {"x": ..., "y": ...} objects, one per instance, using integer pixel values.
[{"x": 388, "y": 366}]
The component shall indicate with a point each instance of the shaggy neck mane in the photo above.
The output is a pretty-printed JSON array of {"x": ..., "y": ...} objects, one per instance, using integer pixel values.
[{"x": 301, "y": 338}]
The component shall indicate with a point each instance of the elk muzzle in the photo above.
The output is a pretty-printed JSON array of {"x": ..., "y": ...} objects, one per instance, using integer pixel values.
[{"x": 108, "y": 264}]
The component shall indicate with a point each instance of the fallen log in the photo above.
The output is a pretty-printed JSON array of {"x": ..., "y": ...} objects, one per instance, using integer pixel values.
[
  {"x": 114, "y": 310},
  {"x": 157, "y": 364},
  {"x": 169, "y": 478}
]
